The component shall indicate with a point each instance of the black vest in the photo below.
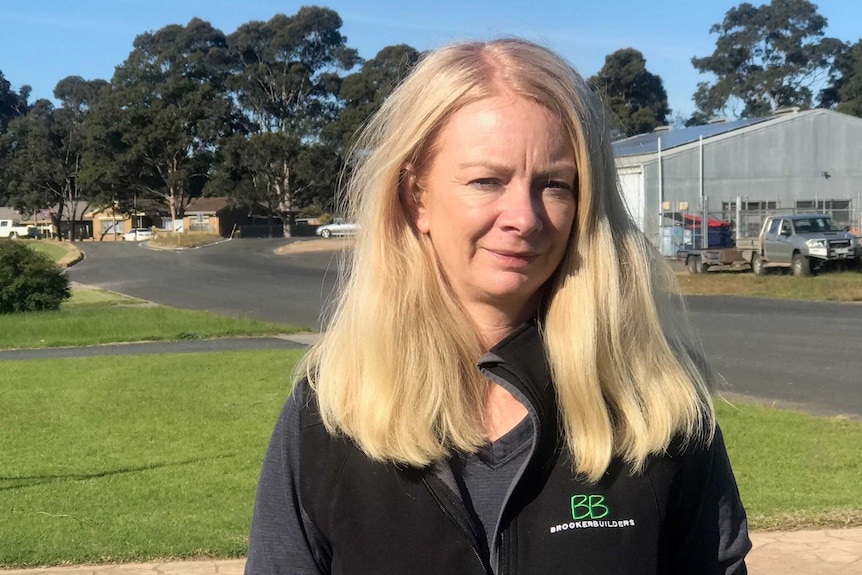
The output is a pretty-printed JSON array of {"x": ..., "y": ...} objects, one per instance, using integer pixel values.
[{"x": 381, "y": 518}]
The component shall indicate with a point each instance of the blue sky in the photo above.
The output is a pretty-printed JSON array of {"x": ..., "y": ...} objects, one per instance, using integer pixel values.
[{"x": 42, "y": 42}]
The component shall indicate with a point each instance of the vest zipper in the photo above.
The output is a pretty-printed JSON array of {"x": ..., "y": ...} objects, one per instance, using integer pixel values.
[
  {"x": 468, "y": 535},
  {"x": 503, "y": 562}
]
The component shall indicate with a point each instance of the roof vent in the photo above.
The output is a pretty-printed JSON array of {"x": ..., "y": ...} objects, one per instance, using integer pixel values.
[
  {"x": 784, "y": 110},
  {"x": 717, "y": 120},
  {"x": 665, "y": 128}
]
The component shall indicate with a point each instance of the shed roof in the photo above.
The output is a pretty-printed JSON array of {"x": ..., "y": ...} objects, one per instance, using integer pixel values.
[{"x": 648, "y": 143}]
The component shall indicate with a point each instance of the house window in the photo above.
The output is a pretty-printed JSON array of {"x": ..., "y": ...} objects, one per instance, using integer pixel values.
[
  {"x": 200, "y": 223},
  {"x": 111, "y": 226}
]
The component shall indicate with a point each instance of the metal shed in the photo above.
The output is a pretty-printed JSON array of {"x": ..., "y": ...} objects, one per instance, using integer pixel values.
[{"x": 740, "y": 171}]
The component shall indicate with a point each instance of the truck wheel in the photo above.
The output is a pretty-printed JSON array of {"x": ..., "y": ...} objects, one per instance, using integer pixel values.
[
  {"x": 801, "y": 265},
  {"x": 757, "y": 265},
  {"x": 13, "y": 236}
]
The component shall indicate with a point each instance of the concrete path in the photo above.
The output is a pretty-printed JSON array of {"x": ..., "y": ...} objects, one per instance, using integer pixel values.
[
  {"x": 829, "y": 552},
  {"x": 294, "y": 340}
]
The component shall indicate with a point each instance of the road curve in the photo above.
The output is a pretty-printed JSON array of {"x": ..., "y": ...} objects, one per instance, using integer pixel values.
[{"x": 790, "y": 353}]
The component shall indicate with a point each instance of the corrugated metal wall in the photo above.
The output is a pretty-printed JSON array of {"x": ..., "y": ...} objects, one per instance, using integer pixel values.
[{"x": 780, "y": 161}]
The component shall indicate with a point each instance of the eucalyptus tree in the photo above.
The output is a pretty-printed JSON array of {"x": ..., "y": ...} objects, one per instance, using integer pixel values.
[
  {"x": 635, "y": 95},
  {"x": 765, "y": 57},
  {"x": 12, "y": 104},
  {"x": 363, "y": 91},
  {"x": 845, "y": 90},
  {"x": 46, "y": 148},
  {"x": 155, "y": 131},
  {"x": 285, "y": 84}
]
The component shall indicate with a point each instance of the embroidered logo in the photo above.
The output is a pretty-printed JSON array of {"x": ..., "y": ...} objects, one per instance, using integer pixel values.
[
  {"x": 589, "y": 507},
  {"x": 591, "y": 512}
]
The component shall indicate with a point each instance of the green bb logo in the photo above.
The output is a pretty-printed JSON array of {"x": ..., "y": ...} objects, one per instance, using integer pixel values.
[{"x": 588, "y": 507}]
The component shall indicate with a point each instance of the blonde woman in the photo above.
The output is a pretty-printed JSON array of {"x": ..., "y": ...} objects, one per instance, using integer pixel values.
[{"x": 504, "y": 385}]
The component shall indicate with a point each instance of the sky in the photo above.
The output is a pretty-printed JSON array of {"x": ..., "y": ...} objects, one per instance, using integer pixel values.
[{"x": 42, "y": 42}]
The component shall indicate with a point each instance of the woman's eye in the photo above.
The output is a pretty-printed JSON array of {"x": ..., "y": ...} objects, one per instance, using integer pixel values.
[
  {"x": 560, "y": 187},
  {"x": 485, "y": 182}
]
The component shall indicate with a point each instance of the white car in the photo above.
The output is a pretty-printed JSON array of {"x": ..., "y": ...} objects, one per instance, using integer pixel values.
[
  {"x": 138, "y": 234},
  {"x": 337, "y": 229}
]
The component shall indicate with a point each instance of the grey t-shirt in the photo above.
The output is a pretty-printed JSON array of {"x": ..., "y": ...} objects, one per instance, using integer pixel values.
[{"x": 485, "y": 476}]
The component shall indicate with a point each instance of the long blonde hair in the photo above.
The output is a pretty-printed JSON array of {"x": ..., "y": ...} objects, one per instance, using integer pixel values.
[{"x": 394, "y": 369}]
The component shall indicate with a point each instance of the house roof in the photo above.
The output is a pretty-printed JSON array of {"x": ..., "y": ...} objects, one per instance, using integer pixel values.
[
  {"x": 207, "y": 205},
  {"x": 9, "y": 214},
  {"x": 648, "y": 143}
]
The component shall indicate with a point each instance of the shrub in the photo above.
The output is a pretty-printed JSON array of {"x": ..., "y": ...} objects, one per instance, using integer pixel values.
[{"x": 29, "y": 281}]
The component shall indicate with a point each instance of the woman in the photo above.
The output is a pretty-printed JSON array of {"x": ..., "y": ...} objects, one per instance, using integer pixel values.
[{"x": 503, "y": 386}]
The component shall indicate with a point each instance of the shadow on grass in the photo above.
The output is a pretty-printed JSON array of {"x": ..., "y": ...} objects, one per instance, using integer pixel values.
[{"x": 23, "y": 482}]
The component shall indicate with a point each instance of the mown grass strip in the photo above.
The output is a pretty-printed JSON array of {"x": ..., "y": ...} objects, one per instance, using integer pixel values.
[
  {"x": 97, "y": 317},
  {"x": 794, "y": 470},
  {"x": 140, "y": 457},
  {"x": 135, "y": 457},
  {"x": 839, "y": 286}
]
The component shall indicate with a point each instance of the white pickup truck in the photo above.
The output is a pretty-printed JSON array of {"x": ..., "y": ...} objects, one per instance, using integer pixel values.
[{"x": 12, "y": 229}]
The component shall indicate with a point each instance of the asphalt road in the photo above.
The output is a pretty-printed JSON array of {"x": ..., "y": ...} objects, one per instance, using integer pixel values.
[
  {"x": 787, "y": 353},
  {"x": 241, "y": 277}
]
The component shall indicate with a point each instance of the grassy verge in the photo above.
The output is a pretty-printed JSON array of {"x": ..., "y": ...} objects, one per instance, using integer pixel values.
[
  {"x": 133, "y": 458},
  {"x": 794, "y": 470},
  {"x": 53, "y": 250},
  {"x": 156, "y": 456},
  {"x": 839, "y": 286},
  {"x": 183, "y": 239},
  {"x": 95, "y": 317}
]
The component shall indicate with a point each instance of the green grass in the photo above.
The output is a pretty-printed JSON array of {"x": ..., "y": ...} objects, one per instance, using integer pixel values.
[
  {"x": 53, "y": 250},
  {"x": 134, "y": 457},
  {"x": 88, "y": 296},
  {"x": 838, "y": 286},
  {"x": 794, "y": 470},
  {"x": 95, "y": 316}
]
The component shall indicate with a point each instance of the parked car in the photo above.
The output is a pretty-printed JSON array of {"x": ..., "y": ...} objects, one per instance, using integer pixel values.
[
  {"x": 337, "y": 229},
  {"x": 138, "y": 234}
]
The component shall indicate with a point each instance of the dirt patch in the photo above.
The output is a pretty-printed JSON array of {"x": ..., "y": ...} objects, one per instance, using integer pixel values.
[{"x": 317, "y": 245}]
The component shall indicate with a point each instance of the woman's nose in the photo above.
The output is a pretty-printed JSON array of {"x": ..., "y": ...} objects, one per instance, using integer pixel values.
[{"x": 521, "y": 209}]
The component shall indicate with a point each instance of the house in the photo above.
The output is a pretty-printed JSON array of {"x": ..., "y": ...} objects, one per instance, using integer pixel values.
[
  {"x": 739, "y": 171},
  {"x": 110, "y": 223},
  {"x": 214, "y": 214}
]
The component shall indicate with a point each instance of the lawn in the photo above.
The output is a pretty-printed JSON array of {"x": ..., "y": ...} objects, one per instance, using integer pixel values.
[
  {"x": 154, "y": 456},
  {"x": 53, "y": 250},
  {"x": 838, "y": 286},
  {"x": 794, "y": 470},
  {"x": 134, "y": 457},
  {"x": 96, "y": 316}
]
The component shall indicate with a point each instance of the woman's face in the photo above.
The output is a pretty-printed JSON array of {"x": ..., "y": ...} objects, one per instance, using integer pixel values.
[{"x": 498, "y": 202}]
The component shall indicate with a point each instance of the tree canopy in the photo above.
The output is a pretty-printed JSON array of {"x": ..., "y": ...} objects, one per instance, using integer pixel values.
[
  {"x": 44, "y": 151},
  {"x": 636, "y": 96},
  {"x": 159, "y": 123},
  {"x": 266, "y": 115},
  {"x": 285, "y": 84},
  {"x": 12, "y": 105},
  {"x": 765, "y": 57},
  {"x": 845, "y": 92}
]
